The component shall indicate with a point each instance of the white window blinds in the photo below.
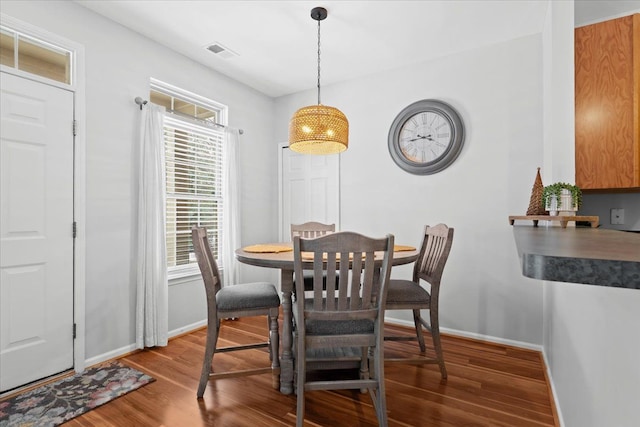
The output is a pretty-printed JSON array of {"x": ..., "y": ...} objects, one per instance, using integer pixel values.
[{"x": 194, "y": 157}]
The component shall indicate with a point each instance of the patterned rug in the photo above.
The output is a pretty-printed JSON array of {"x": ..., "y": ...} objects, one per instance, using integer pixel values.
[{"x": 52, "y": 404}]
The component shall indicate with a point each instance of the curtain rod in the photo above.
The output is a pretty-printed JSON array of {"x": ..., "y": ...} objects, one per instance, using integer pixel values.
[{"x": 142, "y": 102}]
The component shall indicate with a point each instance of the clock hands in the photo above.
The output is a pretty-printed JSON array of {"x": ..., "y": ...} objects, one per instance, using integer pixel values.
[
  {"x": 417, "y": 138},
  {"x": 422, "y": 137}
]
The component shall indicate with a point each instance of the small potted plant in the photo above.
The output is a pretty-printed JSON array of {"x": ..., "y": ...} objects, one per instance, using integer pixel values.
[{"x": 562, "y": 198}]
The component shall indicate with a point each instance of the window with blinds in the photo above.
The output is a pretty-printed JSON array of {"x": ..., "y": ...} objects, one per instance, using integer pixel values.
[
  {"x": 194, "y": 187},
  {"x": 194, "y": 156}
]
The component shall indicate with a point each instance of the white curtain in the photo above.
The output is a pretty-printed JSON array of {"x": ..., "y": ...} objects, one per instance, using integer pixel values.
[
  {"x": 231, "y": 208},
  {"x": 152, "y": 303}
]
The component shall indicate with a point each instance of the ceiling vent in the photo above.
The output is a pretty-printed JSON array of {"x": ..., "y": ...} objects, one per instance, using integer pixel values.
[{"x": 221, "y": 51}]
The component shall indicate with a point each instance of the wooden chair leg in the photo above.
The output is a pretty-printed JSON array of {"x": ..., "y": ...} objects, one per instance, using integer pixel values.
[
  {"x": 380, "y": 401},
  {"x": 210, "y": 348},
  {"x": 301, "y": 368},
  {"x": 300, "y": 402},
  {"x": 418, "y": 325},
  {"x": 364, "y": 365},
  {"x": 437, "y": 345},
  {"x": 274, "y": 350}
]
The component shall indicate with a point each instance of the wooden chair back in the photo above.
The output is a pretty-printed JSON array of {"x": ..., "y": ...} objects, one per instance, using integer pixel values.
[
  {"x": 434, "y": 252},
  {"x": 352, "y": 296},
  {"x": 207, "y": 264},
  {"x": 312, "y": 229}
]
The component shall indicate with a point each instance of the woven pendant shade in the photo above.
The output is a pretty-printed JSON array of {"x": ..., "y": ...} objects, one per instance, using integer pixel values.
[{"x": 318, "y": 129}]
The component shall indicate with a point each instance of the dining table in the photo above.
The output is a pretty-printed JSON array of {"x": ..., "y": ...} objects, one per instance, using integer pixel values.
[{"x": 280, "y": 256}]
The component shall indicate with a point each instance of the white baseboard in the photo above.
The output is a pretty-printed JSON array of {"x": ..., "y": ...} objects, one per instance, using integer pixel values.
[
  {"x": 553, "y": 389},
  {"x": 476, "y": 336},
  {"x": 114, "y": 354},
  {"x": 188, "y": 328},
  {"x": 490, "y": 338}
]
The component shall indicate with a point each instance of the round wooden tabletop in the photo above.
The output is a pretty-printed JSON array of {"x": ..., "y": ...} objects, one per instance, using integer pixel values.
[{"x": 284, "y": 260}]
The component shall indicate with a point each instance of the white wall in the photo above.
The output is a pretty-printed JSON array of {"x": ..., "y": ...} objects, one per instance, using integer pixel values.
[
  {"x": 119, "y": 64},
  {"x": 498, "y": 91},
  {"x": 592, "y": 347}
]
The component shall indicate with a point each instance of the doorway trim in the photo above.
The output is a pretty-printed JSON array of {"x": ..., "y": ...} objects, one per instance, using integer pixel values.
[{"x": 79, "y": 168}]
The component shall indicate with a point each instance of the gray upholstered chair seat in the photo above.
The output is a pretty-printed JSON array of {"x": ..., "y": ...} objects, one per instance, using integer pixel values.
[
  {"x": 334, "y": 327},
  {"x": 406, "y": 291},
  {"x": 247, "y": 296},
  {"x": 342, "y": 327}
]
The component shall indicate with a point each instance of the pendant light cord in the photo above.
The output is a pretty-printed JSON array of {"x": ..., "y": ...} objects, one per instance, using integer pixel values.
[{"x": 318, "y": 62}]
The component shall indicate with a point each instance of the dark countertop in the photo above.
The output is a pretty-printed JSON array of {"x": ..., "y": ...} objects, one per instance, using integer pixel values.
[{"x": 592, "y": 256}]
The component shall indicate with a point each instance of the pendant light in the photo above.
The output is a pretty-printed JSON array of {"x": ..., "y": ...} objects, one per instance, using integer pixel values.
[{"x": 318, "y": 129}]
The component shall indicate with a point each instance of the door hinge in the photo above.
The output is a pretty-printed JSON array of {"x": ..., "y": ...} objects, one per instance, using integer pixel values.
[
  {"x": 75, "y": 127},
  {"x": 75, "y": 229},
  {"x": 74, "y": 331}
]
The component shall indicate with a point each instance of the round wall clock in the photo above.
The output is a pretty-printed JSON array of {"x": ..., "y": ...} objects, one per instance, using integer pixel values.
[{"x": 426, "y": 137}]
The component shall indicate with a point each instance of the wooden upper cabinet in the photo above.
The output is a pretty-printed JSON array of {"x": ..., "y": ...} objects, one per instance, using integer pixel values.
[{"x": 607, "y": 91}]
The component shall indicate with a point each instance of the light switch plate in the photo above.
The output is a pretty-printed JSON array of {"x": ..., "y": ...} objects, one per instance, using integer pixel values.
[{"x": 617, "y": 216}]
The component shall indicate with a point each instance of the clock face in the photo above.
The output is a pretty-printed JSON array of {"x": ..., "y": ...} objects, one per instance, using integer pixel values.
[{"x": 426, "y": 137}]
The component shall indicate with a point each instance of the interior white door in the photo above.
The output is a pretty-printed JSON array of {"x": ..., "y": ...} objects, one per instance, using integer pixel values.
[
  {"x": 310, "y": 190},
  {"x": 36, "y": 239}
]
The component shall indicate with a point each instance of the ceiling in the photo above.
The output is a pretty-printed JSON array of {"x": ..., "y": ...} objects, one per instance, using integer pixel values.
[{"x": 276, "y": 41}]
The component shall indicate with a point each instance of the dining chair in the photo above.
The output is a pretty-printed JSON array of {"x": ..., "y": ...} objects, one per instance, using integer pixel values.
[
  {"x": 346, "y": 318},
  {"x": 409, "y": 294},
  {"x": 310, "y": 230},
  {"x": 230, "y": 302}
]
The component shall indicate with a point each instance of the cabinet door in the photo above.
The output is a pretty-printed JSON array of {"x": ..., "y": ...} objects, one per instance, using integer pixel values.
[{"x": 607, "y": 91}]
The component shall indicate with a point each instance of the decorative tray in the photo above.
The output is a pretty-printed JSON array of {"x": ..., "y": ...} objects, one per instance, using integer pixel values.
[{"x": 562, "y": 219}]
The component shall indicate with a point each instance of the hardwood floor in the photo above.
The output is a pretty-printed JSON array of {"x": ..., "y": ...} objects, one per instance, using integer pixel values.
[{"x": 488, "y": 385}]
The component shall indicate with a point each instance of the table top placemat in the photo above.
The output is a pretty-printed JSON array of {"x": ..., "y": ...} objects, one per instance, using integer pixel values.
[{"x": 267, "y": 249}]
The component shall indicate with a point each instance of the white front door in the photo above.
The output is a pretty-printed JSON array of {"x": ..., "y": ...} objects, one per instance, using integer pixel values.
[
  {"x": 309, "y": 190},
  {"x": 36, "y": 239}
]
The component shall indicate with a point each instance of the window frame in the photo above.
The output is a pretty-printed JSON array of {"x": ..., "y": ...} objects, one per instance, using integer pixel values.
[
  {"x": 44, "y": 43},
  {"x": 184, "y": 272}
]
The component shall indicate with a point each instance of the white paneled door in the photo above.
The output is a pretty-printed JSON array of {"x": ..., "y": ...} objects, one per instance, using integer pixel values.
[
  {"x": 310, "y": 190},
  {"x": 36, "y": 235}
]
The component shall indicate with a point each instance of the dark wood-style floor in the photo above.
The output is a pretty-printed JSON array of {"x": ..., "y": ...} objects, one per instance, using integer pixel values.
[{"x": 488, "y": 385}]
